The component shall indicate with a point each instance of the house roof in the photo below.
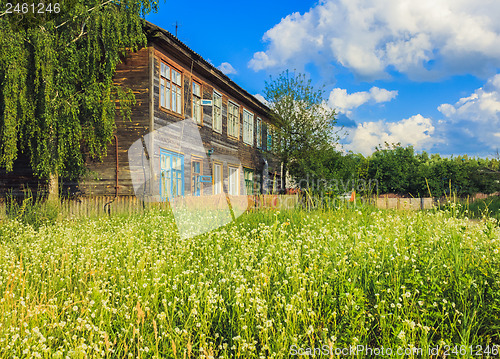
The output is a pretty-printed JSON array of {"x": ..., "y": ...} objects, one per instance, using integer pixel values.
[{"x": 184, "y": 53}]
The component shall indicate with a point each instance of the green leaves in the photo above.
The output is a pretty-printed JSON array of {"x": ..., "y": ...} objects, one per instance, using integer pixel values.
[{"x": 57, "y": 96}]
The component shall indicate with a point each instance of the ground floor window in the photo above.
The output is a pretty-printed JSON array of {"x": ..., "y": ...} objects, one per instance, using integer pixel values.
[
  {"x": 217, "y": 178},
  {"x": 248, "y": 174},
  {"x": 196, "y": 176},
  {"x": 233, "y": 181},
  {"x": 172, "y": 174}
]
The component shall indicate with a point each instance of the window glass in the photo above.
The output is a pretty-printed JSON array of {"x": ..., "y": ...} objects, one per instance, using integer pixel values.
[
  {"x": 217, "y": 112},
  {"x": 170, "y": 88}
]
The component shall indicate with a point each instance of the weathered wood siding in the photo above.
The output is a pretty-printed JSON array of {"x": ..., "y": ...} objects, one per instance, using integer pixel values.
[{"x": 131, "y": 73}]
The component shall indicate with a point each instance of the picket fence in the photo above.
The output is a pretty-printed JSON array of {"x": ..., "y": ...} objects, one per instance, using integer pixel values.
[{"x": 126, "y": 205}]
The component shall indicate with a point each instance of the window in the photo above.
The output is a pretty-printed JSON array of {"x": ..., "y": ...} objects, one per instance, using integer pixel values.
[
  {"x": 233, "y": 181},
  {"x": 217, "y": 178},
  {"x": 247, "y": 127},
  {"x": 197, "y": 109},
  {"x": 259, "y": 133},
  {"x": 170, "y": 88},
  {"x": 172, "y": 174},
  {"x": 248, "y": 174},
  {"x": 264, "y": 136},
  {"x": 270, "y": 132},
  {"x": 233, "y": 120},
  {"x": 217, "y": 114},
  {"x": 195, "y": 177}
]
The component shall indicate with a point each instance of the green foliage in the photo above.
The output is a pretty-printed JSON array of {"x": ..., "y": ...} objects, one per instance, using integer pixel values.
[
  {"x": 57, "y": 96},
  {"x": 397, "y": 169},
  {"x": 489, "y": 207},
  {"x": 32, "y": 210}
]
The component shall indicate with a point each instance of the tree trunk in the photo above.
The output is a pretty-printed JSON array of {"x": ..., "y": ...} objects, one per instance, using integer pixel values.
[{"x": 53, "y": 187}]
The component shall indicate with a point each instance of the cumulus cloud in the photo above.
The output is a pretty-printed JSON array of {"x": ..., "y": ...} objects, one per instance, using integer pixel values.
[
  {"x": 479, "y": 113},
  {"x": 424, "y": 39},
  {"x": 227, "y": 68},
  {"x": 416, "y": 131},
  {"x": 343, "y": 102}
]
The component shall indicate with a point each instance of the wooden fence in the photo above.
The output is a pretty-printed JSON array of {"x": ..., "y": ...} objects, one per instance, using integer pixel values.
[
  {"x": 101, "y": 205},
  {"x": 125, "y": 205},
  {"x": 405, "y": 203}
]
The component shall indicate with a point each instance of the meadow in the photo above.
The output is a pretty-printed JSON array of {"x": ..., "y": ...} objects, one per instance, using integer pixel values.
[{"x": 269, "y": 285}]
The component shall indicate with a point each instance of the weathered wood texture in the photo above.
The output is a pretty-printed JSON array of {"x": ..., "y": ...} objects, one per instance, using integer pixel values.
[{"x": 131, "y": 73}]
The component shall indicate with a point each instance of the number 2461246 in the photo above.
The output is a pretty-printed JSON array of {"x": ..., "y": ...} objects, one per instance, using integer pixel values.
[{"x": 25, "y": 8}]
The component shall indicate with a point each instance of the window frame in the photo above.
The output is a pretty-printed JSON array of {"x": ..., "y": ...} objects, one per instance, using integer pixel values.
[
  {"x": 220, "y": 184},
  {"x": 270, "y": 139},
  {"x": 247, "y": 170},
  {"x": 229, "y": 188},
  {"x": 248, "y": 127},
  {"x": 200, "y": 161},
  {"x": 229, "y": 114},
  {"x": 216, "y": 120},
  {"x": 172, "y": 84},
  {"x": 198, "y": 98},
  {"x": 170, "y": 176}
]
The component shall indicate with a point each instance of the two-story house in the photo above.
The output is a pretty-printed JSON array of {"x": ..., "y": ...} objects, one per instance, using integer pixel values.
[{"x": 173, "y": 84}]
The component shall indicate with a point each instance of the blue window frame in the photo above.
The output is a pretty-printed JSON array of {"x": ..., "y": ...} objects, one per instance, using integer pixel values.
[{"x": 172, "y": 174}]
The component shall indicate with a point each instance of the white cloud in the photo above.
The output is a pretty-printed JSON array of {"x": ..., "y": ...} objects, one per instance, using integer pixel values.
[
  {"x": 424, "y": 39},
  {"x": 227, "y": 68},
  {"x": 416, "y": 131},
  {"x": 343, "y": 102},
  {"x": 479, "y": 113}
]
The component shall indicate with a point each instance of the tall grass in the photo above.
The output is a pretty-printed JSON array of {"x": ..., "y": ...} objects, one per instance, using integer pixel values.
[
  {"x": 486, "y": 207},
  {"x": 261, "y": 287}
]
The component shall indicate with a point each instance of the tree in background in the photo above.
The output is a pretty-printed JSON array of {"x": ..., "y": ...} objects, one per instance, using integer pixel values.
[
  {"x": 305, "y": 124},
  {"x": 57, "y": 96}
]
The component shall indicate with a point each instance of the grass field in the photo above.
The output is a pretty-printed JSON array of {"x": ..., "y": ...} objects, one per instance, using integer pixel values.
[{"x": 270, "y": 285}]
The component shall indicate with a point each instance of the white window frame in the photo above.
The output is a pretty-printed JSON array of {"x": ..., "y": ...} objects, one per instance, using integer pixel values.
[
  {"x": 233, "y": 119},
  {"x": 197, "y": 109},
  {"x": 217, "y": 112},
  {"x": 248, "y": 127},
  {"x": 233, "y": 180},
  {"x": 217, "y": 178},
  {"x": 170, "y": 88}
]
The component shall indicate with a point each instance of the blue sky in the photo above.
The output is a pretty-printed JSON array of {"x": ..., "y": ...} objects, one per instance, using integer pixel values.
[{"x": 424, "y": 73}]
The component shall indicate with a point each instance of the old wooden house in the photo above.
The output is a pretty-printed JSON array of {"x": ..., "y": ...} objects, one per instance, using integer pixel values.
[{"x": 172, "y": 83}]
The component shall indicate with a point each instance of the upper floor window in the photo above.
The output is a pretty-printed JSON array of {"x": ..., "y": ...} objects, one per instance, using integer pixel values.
[
  {"x": 233, "y": 120},
  {"x": 259, "y": 133},
  {"x": 270, "y": 132},
  {"x": 217, "y": 114},
  {"x": 247, "y": 127},
  {"x": 170, "y": 88},
  {"x": 197, "y": 109}
]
